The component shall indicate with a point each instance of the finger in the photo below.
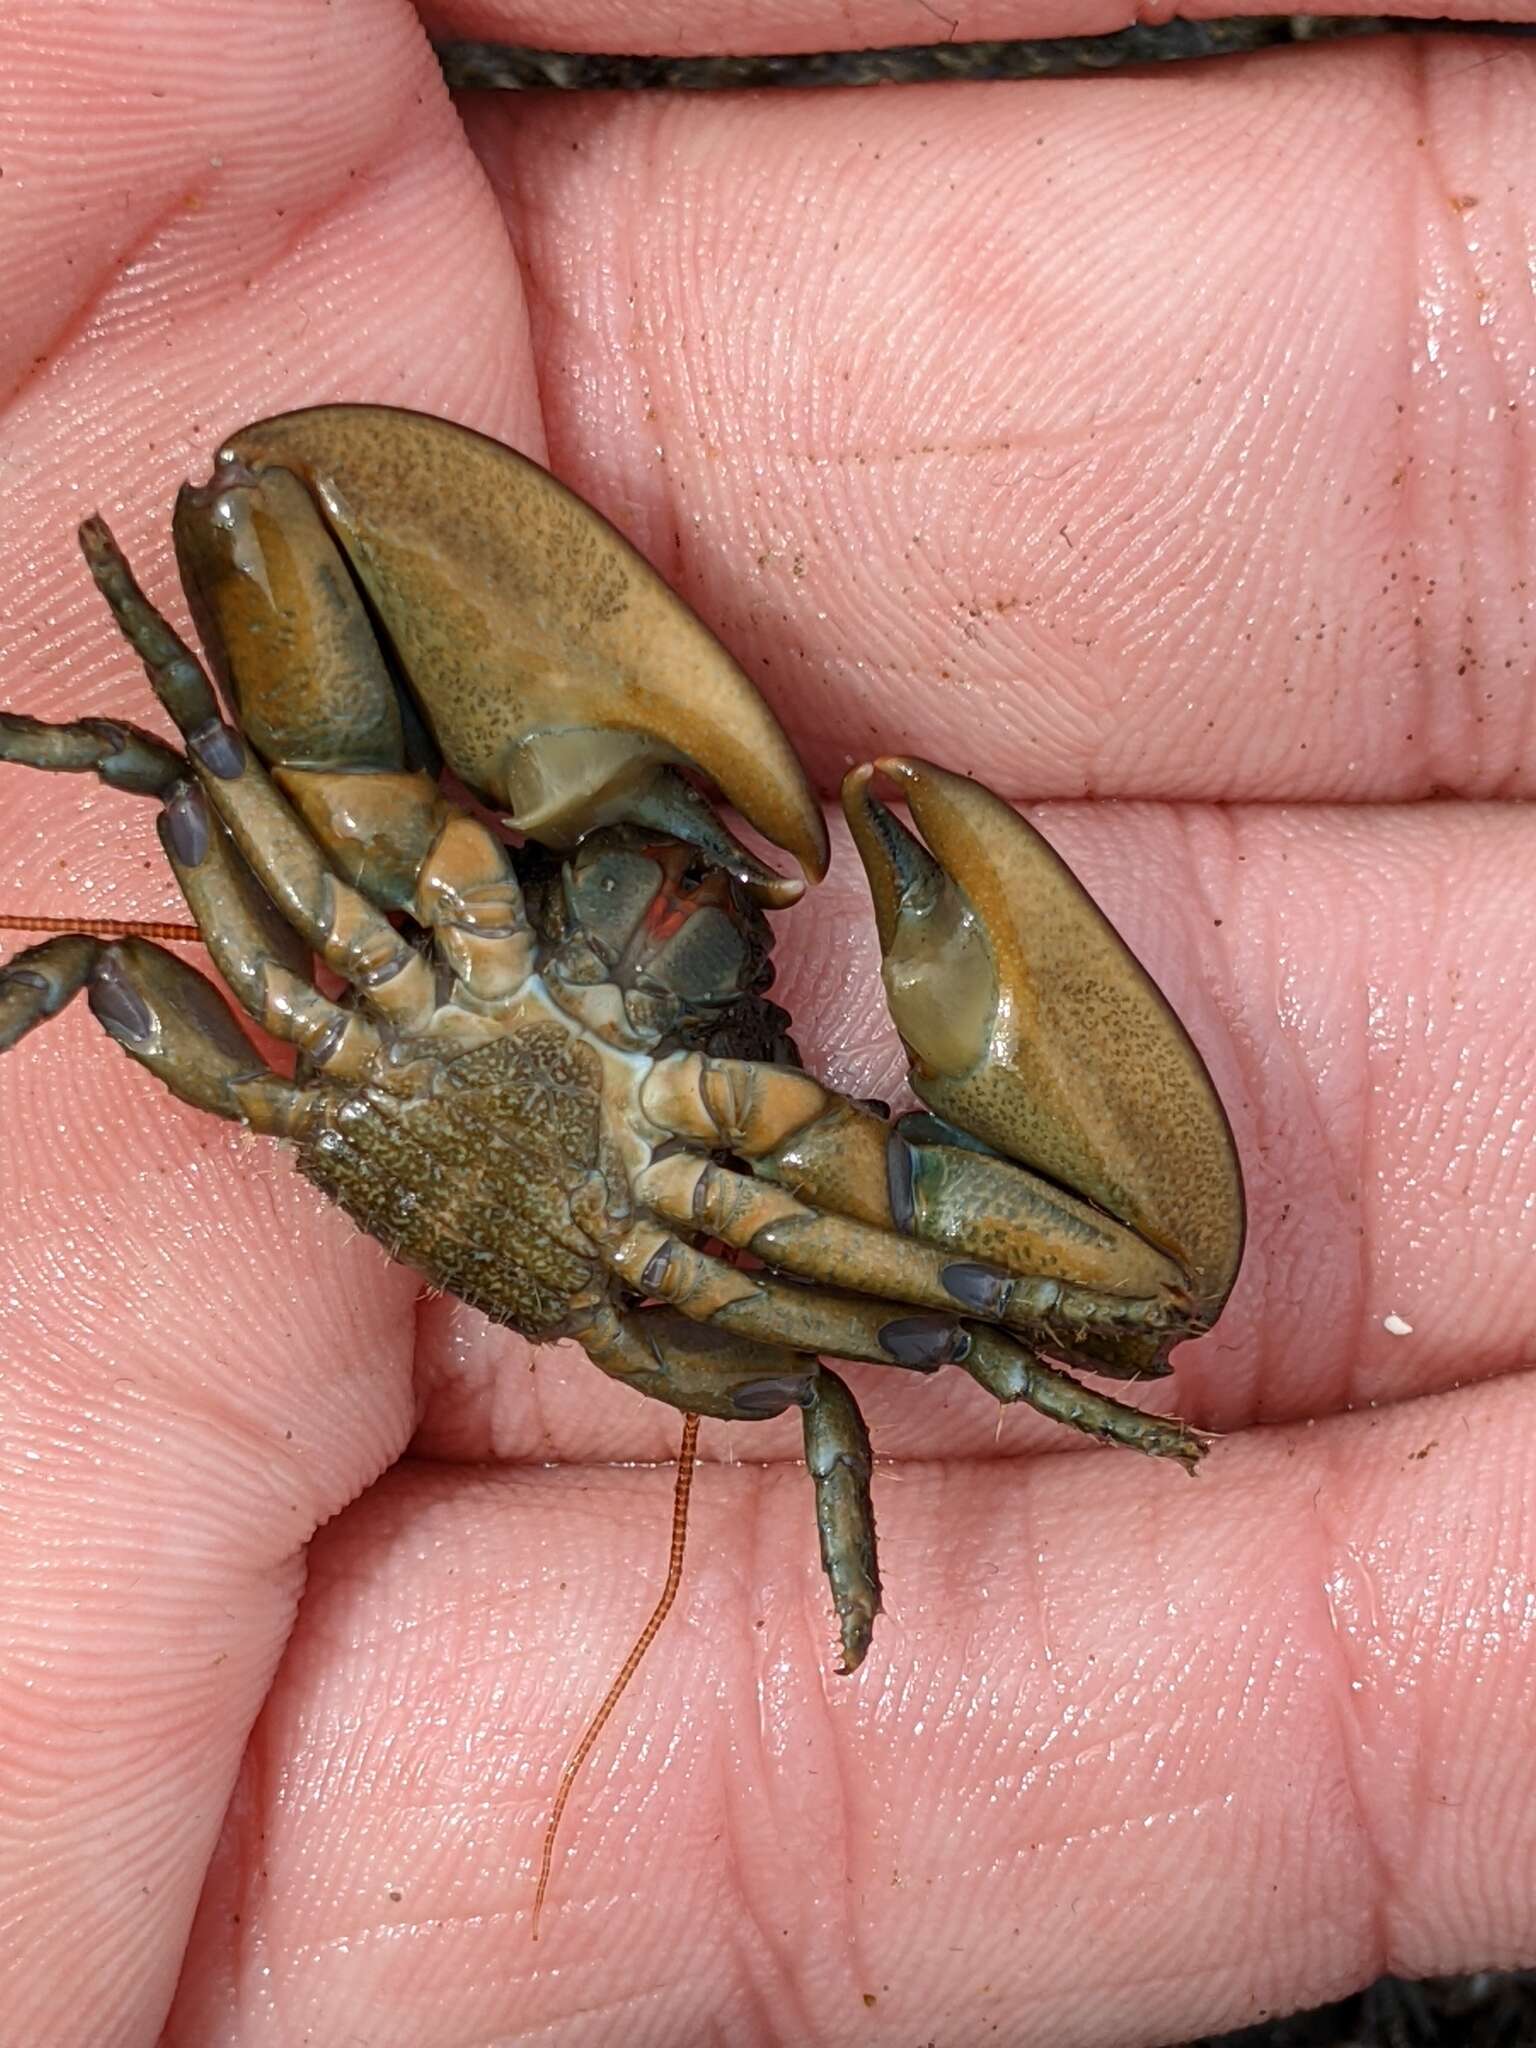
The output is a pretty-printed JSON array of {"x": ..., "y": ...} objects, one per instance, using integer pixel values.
[
  {"x": 1049, "y": 429},
  {"x": 1141, "y": 1764},
  {"x": 1357, "y": 981},
  {"x": 274, "y": 211},
  {"x": 199, "y": 1363},
  {"x": 643, "y": 26},
  {"x": 199, "y": 1369}
]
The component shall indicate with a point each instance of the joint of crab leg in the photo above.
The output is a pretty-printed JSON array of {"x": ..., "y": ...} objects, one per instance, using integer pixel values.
[
  {"x": 175, "y": 1023},
  {"x": 1032, "y": 1027},
  {"x": 736, "y": 1104},
  {"x": 812, "y": 1319},
  {"x": 1010, "y": 1373},
  {"x": 656, "y": 1262},
  {"x": 797, "y": 1133},
  {"x": 793, "y": 1238},
  {"x": 218, "y": 748},
  {"x": 561, "y": 677},
  {"x": 266, "y": 967},
  {"x": 185, "y": 829},
  {"x": 36, "y": 984},
  {"x": 468, "y": 894},
  {"x": 120, "y": 754},
  {"x": 838, "y": 1161},
  {"x": 697, "y": 1367},
  {"x": 378, "y": 826},
  {"x": 1042, "y": 1306},
  {"x": 353, "y": 938}
]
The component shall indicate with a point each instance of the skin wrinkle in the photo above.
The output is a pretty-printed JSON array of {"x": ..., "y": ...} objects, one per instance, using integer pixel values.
[
  {"x": 1348, "y": 1667},
  {"x": 758, "y": 1944},
  {"x": 1025, "y": 1555},
  {"x": 1323, "y": 1152},
  {"x": 1360, "y": 1293},
  {"x": 61, "y": 342},
  {"x": 1423, "y": 230},
  {"x": 1418, "y": 333},
  {"x": 251, "y": 1795},
  {"x": 1027, "y": 1580},
  {"x": 665, "y": 518},
  {"x": 837, "y": 1805},
  {"x": 836, "y": 1833},
  {"x": 1371, "y": 1250},
  {"x": 1021, "y": 1546},
  {"x": 534, "y": 309}
]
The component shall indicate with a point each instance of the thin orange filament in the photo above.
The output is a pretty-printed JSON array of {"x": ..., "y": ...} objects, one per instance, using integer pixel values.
[
  {"x": 647, "y": 1635},
  {"x": 146, "y": 928},
  {"x": 107, "y": 928}
]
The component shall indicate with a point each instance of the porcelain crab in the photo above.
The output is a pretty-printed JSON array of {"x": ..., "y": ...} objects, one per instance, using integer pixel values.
[{"x": 551, "y": 1078}]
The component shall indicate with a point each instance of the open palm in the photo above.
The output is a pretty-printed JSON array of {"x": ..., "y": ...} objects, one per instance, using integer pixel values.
[{"x": 1161, "y": 440}]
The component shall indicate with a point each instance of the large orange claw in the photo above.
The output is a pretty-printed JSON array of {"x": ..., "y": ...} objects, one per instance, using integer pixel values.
[
  {"x": 1031, "y": 1025},
  {"x": 561, "y": 678}
]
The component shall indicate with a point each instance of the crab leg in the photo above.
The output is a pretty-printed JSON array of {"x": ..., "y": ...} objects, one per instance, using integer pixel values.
[
  {"x": 164, "y": 1015},
  {"x": 123, "y": 756},
  {"x": 793, "y": 1238},
  {"x": 706, "y": 1370},
  {"x": 724, "y": 1298},
  {"x": 691, "y": 1366},
  {"x": 653, "y": 1261},
  {"x": 1011, "y": 1373},
  {"x": 352, "y": 938},
  {"x": 837, "y": 1455},
  {"x": 852, "y": 1165},
  {"x": 36, "y": 984},
  {"x": 262, "y": 961}
]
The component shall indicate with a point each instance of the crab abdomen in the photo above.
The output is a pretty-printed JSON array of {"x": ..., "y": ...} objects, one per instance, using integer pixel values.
[{"x": 472, "y": 1182}]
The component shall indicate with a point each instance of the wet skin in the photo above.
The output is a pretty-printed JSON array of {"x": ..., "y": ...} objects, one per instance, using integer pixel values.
[{"x": 1130, "y": 1761}]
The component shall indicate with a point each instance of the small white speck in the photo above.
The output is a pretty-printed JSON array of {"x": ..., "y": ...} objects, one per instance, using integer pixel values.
[{"x": 1396, "y": 1327}]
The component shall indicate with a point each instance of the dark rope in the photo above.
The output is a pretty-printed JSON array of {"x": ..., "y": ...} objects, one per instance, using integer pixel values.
[{"x": 507, "y": 67}]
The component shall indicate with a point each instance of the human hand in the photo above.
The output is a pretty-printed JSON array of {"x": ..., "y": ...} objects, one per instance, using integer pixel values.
[{"x": 1156, "y": 439}]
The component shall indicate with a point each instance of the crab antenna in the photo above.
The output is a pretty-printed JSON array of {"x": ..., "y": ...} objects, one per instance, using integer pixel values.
[
  {"x": 631, "y": 1664},
  {"x": 106, "y": 928}
]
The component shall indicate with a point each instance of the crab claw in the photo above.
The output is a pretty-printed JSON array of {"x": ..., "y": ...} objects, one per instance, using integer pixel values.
[
  {"x": 561, "y": 678},
  {"x": 1031, "y": 1026}
]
